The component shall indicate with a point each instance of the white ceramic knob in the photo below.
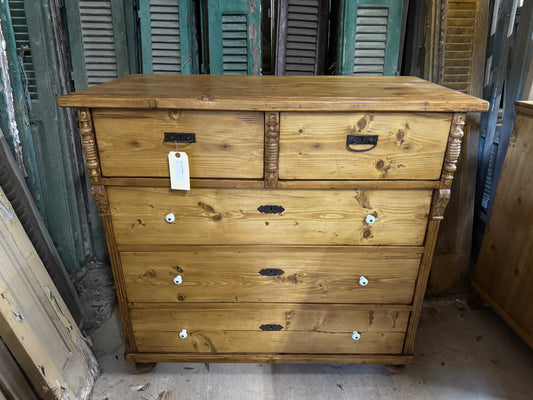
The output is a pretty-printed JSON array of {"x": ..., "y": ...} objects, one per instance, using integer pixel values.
[
  {"x": 177, "y": 280},
  {"x": 170, "y": 218},
  {"x": 356, "y": 335},
  {"x": 363, "y": 281},
  {"x": 183, "y": 334},
  {"x": 370, "y": 219}
]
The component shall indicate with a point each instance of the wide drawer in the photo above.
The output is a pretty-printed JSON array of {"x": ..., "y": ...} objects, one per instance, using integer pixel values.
[
  {"x": 228, "y": 144},
  {"x": 277, "y": 276},
  {"x": 281, "y": 216},
  {"x": 269, "y": 328},
  {"x": 409, "y": 145}
]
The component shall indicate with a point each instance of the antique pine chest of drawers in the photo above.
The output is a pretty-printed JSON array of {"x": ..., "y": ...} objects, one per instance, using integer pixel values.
[{"x": 309, "y": 229}]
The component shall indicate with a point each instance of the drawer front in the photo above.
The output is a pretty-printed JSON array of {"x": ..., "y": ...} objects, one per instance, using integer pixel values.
[
  {"x": 277, "y": 277},
  {"x": 269, "y": 328},
  {"x": 228, "y": 144},
  {"x": 409, "y": 145},
  {"x": 282, "y": 216}
]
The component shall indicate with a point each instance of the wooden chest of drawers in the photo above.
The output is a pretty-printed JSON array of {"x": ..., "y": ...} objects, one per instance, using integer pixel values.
[{"x": 310, "y": 225}]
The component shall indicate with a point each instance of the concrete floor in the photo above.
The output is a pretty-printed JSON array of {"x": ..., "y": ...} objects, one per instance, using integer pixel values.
[{"x": 460, "y": 354}]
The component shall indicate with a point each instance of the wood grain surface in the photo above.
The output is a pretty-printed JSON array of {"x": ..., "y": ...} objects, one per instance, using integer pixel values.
[
  {"x": 218, "y": 275},
  {"x": 504, "y": 270},
  {"x": 220, "y": 328},
  {"x": 274, "y": 93},
  {"x": 231, "y": 216},
  {"x": 228, "y": 144},
  {"x": 410, "y": 145}
]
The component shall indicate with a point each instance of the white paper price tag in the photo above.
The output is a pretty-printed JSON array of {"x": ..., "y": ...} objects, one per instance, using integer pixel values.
[{"x": 178, "y": 164}]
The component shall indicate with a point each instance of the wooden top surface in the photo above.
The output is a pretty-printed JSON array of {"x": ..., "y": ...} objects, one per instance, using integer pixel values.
[
  {"x": 274, "y": 93},
  {"x": 524, "y": 104}
]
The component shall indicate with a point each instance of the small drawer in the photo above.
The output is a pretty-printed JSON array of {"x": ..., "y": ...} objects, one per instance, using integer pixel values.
[
  {"x": 270, "y": 328},
  {"x": 313, "y": 275},
  {"x": 332, "y": 146},
  {"x": 156, "y": 216},
  {"x": 131, "y": 143}
]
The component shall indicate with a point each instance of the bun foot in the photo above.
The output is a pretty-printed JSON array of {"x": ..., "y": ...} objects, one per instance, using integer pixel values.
[
  {"x": 145, "y": 366},
  {"x": 395, "y": 368}
]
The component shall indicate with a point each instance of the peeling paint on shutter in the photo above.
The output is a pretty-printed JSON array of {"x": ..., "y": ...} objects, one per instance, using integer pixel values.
[
  {"x": 234, "y": 31},
  {"x": 22, "y": 38},
  {"x": 98, "y": 41},
  {"x": 302, "y": 34}
]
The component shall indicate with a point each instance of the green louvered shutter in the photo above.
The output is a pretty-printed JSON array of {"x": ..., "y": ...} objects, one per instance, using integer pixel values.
[
  {"x": 167, "y": 35},
  {"x": 98, "y": 41},
  {"x": 234, "y": 37},
  {"x": 370, "y": 37}
]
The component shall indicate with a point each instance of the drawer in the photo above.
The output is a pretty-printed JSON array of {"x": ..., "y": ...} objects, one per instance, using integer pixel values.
[
  {"x": 269, "y": 328},
  {"x": 228, "y": 144},
  {"x": 409, "y": 145},
  {"x": 280, "y": 216},
  {"x": 284, "y": 276}
]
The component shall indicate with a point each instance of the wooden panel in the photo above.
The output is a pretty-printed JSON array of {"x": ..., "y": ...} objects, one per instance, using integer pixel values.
[
  {"x": 504, "y": 269},
  {"x": 270, "y": 276},
  {"x": 228, "y": 145},
  {"x": 272, "y": 93},
  {"x": 410, "y": 146},
  {"x": 231, "y": 216},
  {"x": 218, "y": 328}
]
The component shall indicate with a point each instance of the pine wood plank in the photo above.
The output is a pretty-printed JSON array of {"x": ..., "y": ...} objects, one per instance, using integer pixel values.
[
  {"x": 272, "y": 93},
  {"x": 410, "y": 146},
  {"x": 228, "y": 144},
  {"x": 317, "y": 328},
  {"x": 266, "y": 276},
  {"x": 231, "y": 216}
]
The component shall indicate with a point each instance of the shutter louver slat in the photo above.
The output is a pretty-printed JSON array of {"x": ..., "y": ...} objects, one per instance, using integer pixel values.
[
  {"x": 98, "y": 41},
  {"x": 22, "y": 38},
  {"x": 370, "y": 40}
]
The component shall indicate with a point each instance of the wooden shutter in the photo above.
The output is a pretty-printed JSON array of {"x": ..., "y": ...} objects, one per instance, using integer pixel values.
[
  {"x": 370, "y": 37},
  {"x": 167, "y": 34},
  {"x": 302, "y": 37},
  {"x": 98, "y": 41},
  {"x": 234, "y": 37}
]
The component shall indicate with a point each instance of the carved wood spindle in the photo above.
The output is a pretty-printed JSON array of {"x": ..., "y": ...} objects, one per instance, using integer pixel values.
[
  {"x": 271, "y": 150},
  {"x": 453, "y": 151}
]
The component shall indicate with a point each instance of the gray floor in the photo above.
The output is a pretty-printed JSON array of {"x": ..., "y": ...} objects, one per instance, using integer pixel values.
[{"x": 460, "y": 354}]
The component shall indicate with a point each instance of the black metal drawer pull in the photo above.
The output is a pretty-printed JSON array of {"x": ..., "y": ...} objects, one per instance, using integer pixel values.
[
  {"x": 271, "y": 272},
  {"x": 174, "y": 137},
  {"x": 269, "y": 209},
  {"x": 358, "y": 140},
  {"x": 271, "y": 327}
]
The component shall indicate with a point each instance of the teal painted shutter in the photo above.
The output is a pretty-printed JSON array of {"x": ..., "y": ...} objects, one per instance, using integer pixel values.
[
  {"x": 370, "y": 37},
  {"x": 168, "y": 37},
  {"x": 234, "y": 37},
  {"x": 98, "y": 41}
]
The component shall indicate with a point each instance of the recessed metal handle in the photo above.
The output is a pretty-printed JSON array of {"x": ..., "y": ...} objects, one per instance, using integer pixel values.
[
  {"x": 271, "y": 272},
  {"x": 270, "y": 209},
  {"x": 175, "y": 137},
  {"x": 361, "y": 140}
]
